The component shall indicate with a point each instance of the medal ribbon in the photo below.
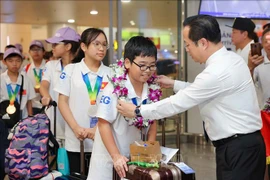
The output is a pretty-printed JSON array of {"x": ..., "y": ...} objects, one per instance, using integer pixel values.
[
  {"x": 92, "y": 93},
  {"x": 134, "y": 101},
  {"x": 12, "y": 94},
  {"x": 37, "y": 76}
]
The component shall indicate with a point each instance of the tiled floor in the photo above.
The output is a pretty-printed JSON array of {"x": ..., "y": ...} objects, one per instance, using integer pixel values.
[{"x": 201, "y": 158}]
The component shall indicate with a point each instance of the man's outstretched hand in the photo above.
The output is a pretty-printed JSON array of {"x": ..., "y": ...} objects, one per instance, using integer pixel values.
[
  {"x": 126, "y": 109},
  {"x": 165, "y": 82}
]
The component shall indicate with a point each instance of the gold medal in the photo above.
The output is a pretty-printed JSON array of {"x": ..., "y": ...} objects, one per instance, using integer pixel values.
[
  {"x": 11, "y": 109},
  {"x": 37, "y": 86}
]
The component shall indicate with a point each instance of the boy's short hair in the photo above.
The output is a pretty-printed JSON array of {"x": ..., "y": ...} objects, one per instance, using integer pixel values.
[
  {"x": 140, "y": 46},
  {"x": 12, "y": 52},
  {"x": 10, "y": 46}
]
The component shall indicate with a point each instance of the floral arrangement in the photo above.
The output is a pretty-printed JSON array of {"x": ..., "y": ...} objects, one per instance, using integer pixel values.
[{"x": 118, "y": 80}]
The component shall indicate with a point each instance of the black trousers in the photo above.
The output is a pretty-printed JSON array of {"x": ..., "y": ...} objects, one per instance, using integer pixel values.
[
  {"x": 75, "y": 161},
  {"x": 242, "y": 158},
  {"x": 3, "y": 146}
]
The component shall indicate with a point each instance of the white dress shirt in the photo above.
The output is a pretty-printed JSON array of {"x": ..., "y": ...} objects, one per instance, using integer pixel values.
[{"x": 225, "y": 93}]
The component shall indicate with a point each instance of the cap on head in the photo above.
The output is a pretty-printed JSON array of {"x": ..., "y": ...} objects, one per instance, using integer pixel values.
[
  {"x": 19, "y": 46},
  {"x": 63, "y": 34},
  {"x": 244, "y": 24},
  {"x": 12, "y": 51},
  {"x": 36, "y": 43}
]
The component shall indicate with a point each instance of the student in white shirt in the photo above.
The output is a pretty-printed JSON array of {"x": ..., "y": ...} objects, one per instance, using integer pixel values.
[
  {"x": 226, "y": 97},
  {"x": 34, "y": 71},
  {"x": 114, "y": 135},
  {"x": 11, "y": 82},
  {"x": 13, "y": 61},
  {"x": 79, "y": 80},
  {"x": 65, "y": 44}
]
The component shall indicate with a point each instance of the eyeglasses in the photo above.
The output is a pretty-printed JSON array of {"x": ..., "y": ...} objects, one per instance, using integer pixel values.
[
  {"x": 36, "y": 50},
  {"x": 55, "y": 44},
  {"x": 144, "y": 67},
  {"x": 98, "y": 45}
]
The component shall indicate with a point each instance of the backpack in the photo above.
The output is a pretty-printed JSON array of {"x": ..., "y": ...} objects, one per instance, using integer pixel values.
[{"x": 27, "y": 155}]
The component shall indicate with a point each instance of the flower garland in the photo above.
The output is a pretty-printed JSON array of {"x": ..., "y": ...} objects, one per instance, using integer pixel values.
[{"x": 118, "y": 80}]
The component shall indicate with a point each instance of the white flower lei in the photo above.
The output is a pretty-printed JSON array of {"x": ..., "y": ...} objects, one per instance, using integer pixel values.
[{"x": 118, "y": 80}]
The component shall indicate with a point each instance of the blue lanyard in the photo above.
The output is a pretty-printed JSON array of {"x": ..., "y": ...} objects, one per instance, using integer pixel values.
[{"x": 134, "y": 101}]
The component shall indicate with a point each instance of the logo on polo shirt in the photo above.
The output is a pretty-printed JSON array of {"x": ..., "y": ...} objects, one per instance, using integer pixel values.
[
  {"x": 23, "y": 92},
  {"x": 105, "y": 99},
  {"x": 103, "y": 85},
  {"x": 63, "y": 75}
]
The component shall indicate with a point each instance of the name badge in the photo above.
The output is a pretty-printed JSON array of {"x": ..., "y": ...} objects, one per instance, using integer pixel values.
[{"x": 93, "y": 121}]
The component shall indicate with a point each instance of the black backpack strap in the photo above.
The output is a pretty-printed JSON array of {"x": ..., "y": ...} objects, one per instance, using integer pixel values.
[{"x": 21, "y": 92}]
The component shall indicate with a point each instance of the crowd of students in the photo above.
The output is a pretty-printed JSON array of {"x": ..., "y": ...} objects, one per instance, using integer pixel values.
[{"x": 76, "y": 81}]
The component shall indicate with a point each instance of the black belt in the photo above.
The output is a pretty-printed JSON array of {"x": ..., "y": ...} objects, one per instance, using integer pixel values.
[{"x": 228, "y": 139}]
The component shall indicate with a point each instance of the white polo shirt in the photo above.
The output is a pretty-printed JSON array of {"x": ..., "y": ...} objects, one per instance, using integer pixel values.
[
  {"x": 30, "y": 74},
  {"x": 225, "y": 93},
  {"x": 262, "y": 80},
  {"x": 28, "y": 91},
  {"x": 101, "y": 163},
  {"x": 51, "y": 73},
  {"x": 71, "y": 84},
  {"x": 245, "y": 51}
]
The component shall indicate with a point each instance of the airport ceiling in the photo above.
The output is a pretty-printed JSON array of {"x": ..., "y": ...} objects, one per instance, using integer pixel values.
[{"x": 145, "y": 13}]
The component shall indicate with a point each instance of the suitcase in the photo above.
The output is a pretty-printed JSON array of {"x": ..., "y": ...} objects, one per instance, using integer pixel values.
[
  {"x": 77, "y": 175},
  {"x": 164, "y": 172}
]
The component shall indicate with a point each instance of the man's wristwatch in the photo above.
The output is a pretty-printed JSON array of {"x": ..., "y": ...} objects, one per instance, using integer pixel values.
[{"x": 138, "y": 111}]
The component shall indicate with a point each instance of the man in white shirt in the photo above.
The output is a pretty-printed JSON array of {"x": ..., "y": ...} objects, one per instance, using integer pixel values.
[
  {"x": 243, "y": 35},
  {"x": 232, "y": 121}
]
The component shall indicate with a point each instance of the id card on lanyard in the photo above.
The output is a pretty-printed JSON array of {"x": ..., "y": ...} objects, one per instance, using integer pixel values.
[{"x": 92, "y": 93}]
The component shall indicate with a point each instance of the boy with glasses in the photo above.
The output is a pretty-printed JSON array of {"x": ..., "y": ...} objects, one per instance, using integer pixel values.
[
  {"x": 34, "y": 71},
  {"x": 114, "y": 134}
]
